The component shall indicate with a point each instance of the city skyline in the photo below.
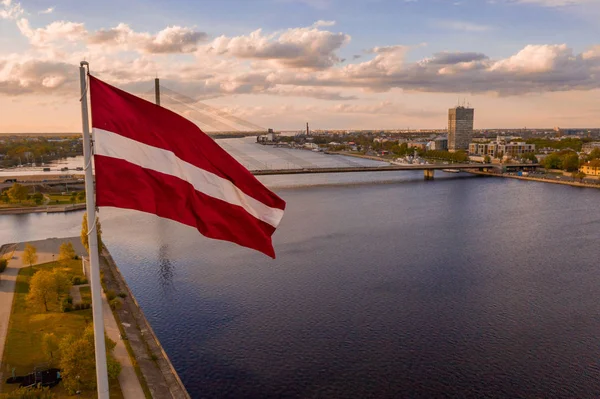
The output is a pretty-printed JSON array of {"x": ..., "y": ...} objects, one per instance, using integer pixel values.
[{"x": 278, "y": 63}]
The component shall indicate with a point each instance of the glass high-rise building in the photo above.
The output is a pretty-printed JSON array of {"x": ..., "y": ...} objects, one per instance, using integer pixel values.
[{"x": 460, "y": 128}]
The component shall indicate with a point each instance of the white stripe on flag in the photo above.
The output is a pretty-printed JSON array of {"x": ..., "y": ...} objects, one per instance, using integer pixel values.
[{"x": 116, "y": 146}]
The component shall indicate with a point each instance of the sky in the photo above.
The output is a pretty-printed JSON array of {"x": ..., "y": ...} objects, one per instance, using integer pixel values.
[{"x": 338, "y": 64}]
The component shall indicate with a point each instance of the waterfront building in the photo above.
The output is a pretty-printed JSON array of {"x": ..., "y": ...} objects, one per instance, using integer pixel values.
[
  {"x": 501, "y": 147},
  {"x": 438, "y": 144},
  {"x": 591, "y": 168},
  {"x": 460, "y": 128}
]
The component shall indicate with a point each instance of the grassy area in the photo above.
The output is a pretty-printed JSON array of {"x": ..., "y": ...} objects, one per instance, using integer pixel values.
[
  {"x": 27, "y": 326},
  {"x": 86, "y": 294},
  {"x": 59, "y": 199}
]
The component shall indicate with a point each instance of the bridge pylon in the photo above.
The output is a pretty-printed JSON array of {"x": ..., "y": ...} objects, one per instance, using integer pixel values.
[{"x": 428, "y": 174}]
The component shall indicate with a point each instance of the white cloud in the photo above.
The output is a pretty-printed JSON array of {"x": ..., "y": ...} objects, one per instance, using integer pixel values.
[
  {"x": 309, "y": 47},
  {"x": 173, "y": 39},
  {"x": 462, "y": 26},
  {"x": 56, "y": 31},
  {"x": 10, "y": 10},
  {"x": 48, "y": 10}
]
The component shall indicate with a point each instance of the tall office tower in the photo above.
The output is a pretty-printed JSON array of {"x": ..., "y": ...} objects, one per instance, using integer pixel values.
[{"x": 460, "y": 128}]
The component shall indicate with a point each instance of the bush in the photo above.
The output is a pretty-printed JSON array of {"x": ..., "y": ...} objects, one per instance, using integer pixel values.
[
  {"x": 66, "y": 305},
  {"x": 3, "y": 264},
  {"x": 86, "y": 305},
  {"x": 110, "y": 295},
  {"x": 115, "y": 304},
  {"x": 122, "y": 295},
  {"x": 77, "y": 280},
  {"x": 77, "y": 306}
]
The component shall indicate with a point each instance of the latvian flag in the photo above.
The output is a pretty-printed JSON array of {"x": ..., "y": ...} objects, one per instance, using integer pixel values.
[{"x": 152, "y": 160}]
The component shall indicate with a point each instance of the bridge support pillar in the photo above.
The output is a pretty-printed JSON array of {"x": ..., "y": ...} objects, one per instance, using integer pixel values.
[{"x": 428, "y": 174}]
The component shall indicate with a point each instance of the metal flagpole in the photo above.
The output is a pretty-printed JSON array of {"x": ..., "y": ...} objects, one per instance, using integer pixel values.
[{"x": 100, "y": 345}]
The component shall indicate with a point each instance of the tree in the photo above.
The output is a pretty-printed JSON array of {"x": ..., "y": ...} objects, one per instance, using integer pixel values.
[
  {"x": 487, "y": 159},
  {"x": 552, "y": 161},
  {"x": 578, "y": 175},
  {"x": 77, "y": 362},
  {"x": 66, "y": 252},
  {"x": 50, "y": 345},
  {"x": 529, "y": 156},
  {"x": 595, "y": 154},
  {"x": 42, "y": 289},
  {"x": 38, "y": 198},
  {"x": 570, "y": 162},
  {"x": 48, "y": 287},
  {"x": 84, "y": 231},
  {"x": 17, "y": 192},
  {"x": 81, "y": 196},
  {"x": 30, "y": 255}
]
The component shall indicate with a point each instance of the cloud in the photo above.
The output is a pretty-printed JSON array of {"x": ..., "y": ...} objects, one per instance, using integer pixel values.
[
  {"x": 309, "y": 48},
  {"x": 173, "y": 39},
  {"x": 10, "y": 10},
  {"x": 461, "y": 26},
  {"x": 33, "y": 76},
  {"x": 449, "y": 58},
  {"x": 534, "y": 69},
  {"x": 48, "y": 10},
  {"x": 58, "y": 30}
]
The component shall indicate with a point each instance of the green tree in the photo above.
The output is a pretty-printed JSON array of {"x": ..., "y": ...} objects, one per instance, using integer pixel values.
[
  {"x": 570, "y": 162},
  {"x": 595, "y": 154},
  {"x": 50, "y": 345},
  {"x": 38, "y": 198},
  {"x": 552, "y": 161},
  {"x": 66, "y": 252},
  {"x": 78, "y": 364},
  {"x": 17, "y": 192},
  {"x": 48, "y": 287},
  {"x": 487, "y": 159},
  {"x": 30, "y": 255},
  {"x": 578, "y": 175},
  {"x": 42, "y": 289},
  {"x": 81, "y": 196},
  {"x": 529, "y": 156},
  {"x": 84, "y": 231}
]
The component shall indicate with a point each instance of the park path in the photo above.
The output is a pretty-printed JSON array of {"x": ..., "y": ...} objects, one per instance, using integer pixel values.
[
  {"x": 7, "y": 293},
  {"x": 130, "y": 384}
]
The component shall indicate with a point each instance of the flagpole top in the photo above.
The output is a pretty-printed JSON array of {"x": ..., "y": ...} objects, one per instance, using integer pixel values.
[{"x": 82, "y": 63}]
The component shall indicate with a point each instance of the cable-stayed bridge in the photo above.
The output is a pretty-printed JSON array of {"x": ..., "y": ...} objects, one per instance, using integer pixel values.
[{"x": 272, "y": 160}]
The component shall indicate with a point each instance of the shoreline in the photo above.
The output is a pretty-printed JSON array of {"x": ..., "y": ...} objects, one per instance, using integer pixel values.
[
  {"x": 42, "y": 209},
  {"x": 537, "y": 179},
  {"x": 154, "y": 363}
]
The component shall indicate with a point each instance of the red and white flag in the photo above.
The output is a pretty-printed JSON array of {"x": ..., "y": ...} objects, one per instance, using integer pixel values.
[{"x": 152, "y": 160}]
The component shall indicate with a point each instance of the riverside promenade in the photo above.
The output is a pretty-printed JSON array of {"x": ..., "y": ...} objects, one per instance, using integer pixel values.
[{"x": 135, "y": 355}]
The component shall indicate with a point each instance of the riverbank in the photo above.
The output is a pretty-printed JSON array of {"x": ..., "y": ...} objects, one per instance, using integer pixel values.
[
  {"x": 538, "y": 179},
  {"x": 41, "y": 209},
  {"x": 154, "y": 365},
  {"x": 146, "y": 369}
]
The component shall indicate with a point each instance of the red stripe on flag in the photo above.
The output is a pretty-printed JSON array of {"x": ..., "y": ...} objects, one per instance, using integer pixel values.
[
  {"x": 120, "y": 112},
  {"x": 122, "y": 184}
]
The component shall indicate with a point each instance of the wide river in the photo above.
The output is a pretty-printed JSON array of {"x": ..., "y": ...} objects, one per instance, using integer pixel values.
[{"x": 385, "y": 286}]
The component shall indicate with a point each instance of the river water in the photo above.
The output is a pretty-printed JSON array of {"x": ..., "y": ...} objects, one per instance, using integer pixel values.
[{"x": 385, "y": 286}]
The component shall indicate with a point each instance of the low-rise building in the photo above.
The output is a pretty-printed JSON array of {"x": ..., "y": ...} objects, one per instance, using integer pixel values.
[
  {"x": 501, "y": 147},
  {"x": 589, "y": 147},
  {"x": 591, "y": 168}
]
